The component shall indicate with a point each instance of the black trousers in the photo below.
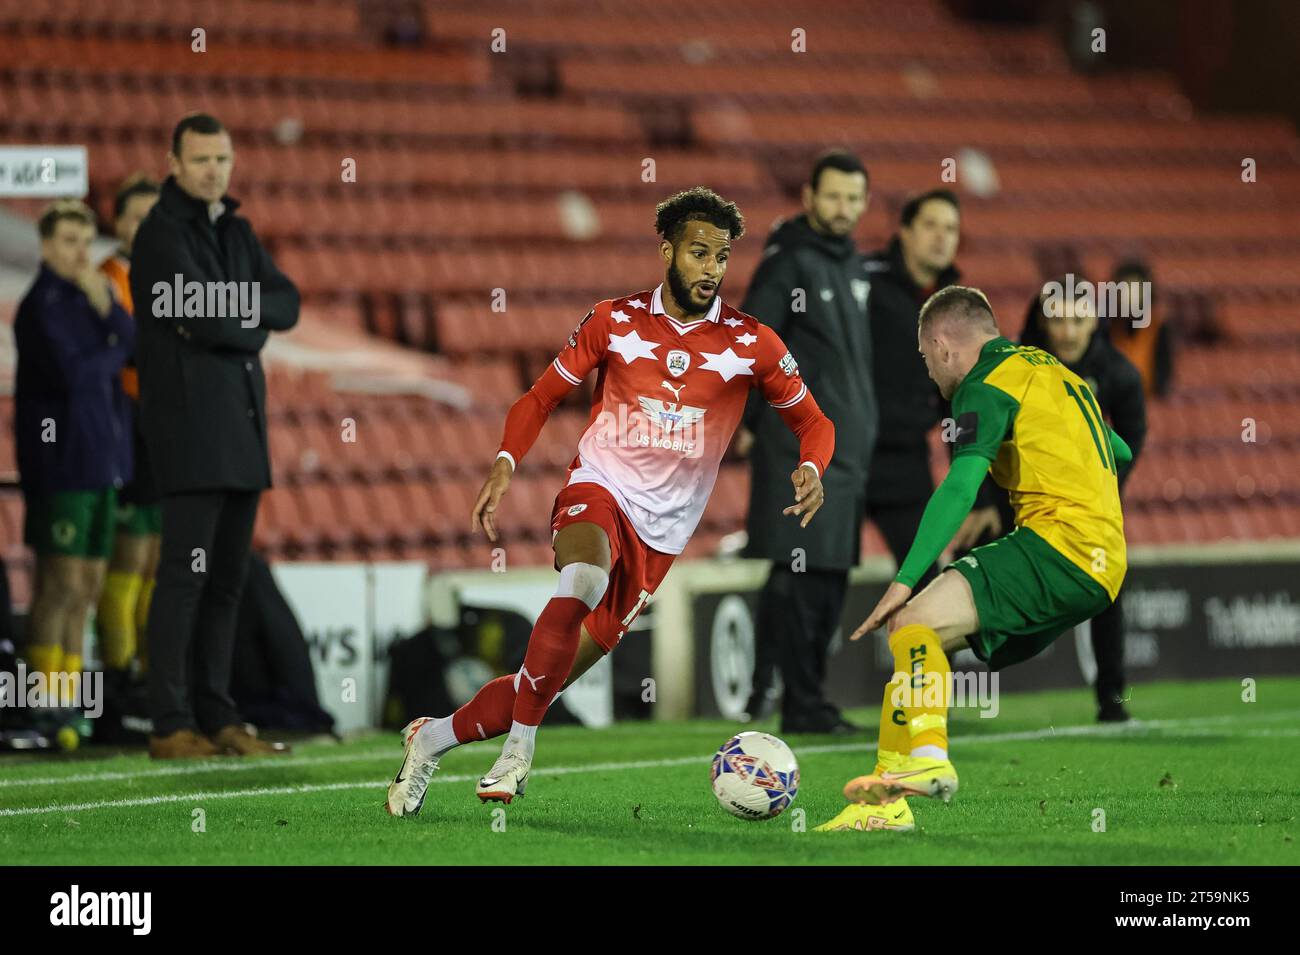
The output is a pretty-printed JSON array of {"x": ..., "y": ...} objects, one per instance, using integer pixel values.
[
  {"x": 898, "y": 524},
  {"x": 206, "y": 537},
  {"x": 1108, "y": 650},
  {"x": 797, "y": 616}
]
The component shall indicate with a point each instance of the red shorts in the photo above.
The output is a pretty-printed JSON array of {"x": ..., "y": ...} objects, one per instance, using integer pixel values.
[{"x": 635, "y": 569}]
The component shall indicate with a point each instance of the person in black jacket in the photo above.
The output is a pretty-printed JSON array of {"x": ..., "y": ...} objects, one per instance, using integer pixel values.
[
  {"x": 917, "y": 263},
  {"x": 206, "y": 297},
  {"x": 811, "y": 289},
  {"x": 1069, "y": 330}
]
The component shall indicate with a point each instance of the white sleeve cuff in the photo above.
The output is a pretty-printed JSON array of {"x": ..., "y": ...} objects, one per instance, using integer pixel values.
[
  {"x": 509, "y": 457},
  {"x": 804, "y": 464}
]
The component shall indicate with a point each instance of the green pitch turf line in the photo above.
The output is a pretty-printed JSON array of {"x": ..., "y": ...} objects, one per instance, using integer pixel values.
[
  {"x": 1191, "y": 726},
  {"x": 260, "y": 763}
]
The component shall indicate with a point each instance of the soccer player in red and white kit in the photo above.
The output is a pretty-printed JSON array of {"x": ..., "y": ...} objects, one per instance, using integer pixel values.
[{"x": 675, "y": 367}]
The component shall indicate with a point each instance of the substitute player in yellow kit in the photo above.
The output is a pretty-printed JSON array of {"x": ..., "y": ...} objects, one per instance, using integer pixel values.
[{"x": 1036, "y": 423}]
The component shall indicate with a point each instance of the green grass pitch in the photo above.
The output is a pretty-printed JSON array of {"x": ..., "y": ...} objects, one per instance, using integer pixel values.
[{"x": 1205, "y": 779}]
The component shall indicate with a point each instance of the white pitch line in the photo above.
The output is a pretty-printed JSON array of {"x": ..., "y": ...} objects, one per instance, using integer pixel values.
[
  {"x": 307, "y": 788},
  {"x": 188, "y": 797},
  {"x": 274, "y": 762},
  {"x": 233, "y": 765}
]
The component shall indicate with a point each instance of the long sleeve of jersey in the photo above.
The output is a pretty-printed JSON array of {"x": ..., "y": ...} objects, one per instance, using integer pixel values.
[
  {"x": 585, "y": 350},
  {"x": 947, "y": 508},
  {"x": 780, "y": 383},
  {"x": 1123, "y": 453},
  {"x": 952, "y": 501},
  {"x": 984, "y": 416}
]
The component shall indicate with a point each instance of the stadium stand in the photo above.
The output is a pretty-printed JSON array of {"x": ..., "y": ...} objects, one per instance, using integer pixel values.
[{"x": 524, "y": 173}]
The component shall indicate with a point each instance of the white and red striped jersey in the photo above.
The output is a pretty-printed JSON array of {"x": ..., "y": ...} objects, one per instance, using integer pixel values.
[{"x": 668, "y": 398}]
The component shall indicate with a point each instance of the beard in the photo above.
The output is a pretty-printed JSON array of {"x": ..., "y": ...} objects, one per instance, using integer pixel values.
[
  {"x": 682, "y": 293},
  {"x": 835, "y": 227}
]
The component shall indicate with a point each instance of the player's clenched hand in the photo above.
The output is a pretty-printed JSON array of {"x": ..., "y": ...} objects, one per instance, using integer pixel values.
[
  {"x": 485, "y": 507},
  {"x": 893, "y": 601},
  {"x": 808, "y": 494}
]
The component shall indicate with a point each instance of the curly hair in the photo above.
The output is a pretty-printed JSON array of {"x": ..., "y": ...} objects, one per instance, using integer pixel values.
[{"x": 699, "y": 203}]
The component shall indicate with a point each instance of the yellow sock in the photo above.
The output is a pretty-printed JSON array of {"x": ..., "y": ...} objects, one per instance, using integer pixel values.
[
  {"x": 43, "y": 658},
  {"x": 72, "y": 667},
  {"x": 142, "y": 603},
  {"x": 924, "y": 696},
  {"x": 894, "y": 740},
  {"x": 116, "y": 618}
]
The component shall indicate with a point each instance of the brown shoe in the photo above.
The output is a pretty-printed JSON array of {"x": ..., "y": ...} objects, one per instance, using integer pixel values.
[
  {"x": 183, "y": 744},
  {"x": 241, "y": 740}
]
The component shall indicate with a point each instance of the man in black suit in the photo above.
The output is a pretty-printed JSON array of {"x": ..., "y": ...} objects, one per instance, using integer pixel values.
[
  {"x": 206, "y": 297},
  {"x": 810, "y": 287}
]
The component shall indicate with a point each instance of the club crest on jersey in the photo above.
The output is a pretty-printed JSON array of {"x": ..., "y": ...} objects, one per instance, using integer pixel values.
[
  {"x": 789, "y": 365},
  {"x": 678, "y": 362}
]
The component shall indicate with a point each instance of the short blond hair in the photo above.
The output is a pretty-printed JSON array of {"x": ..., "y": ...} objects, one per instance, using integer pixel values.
[
  {"x": 968, "y": 306},
  {"x": 61, "y": 210}
]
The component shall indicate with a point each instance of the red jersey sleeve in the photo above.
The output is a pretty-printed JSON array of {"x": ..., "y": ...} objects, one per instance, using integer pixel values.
[
  {"x": 585, "y": 349},
  {"x": 779, "y": 380}
]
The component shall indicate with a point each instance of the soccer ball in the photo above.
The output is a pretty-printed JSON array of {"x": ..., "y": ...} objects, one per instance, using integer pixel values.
[{"x": 755, "y": 776}]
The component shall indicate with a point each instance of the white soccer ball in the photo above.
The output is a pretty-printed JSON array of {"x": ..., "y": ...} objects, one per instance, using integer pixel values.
[{"x": 755, "y": 776}]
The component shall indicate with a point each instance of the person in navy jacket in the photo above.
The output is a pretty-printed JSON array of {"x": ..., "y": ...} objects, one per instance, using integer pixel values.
[{"x": 71, "y": 434}]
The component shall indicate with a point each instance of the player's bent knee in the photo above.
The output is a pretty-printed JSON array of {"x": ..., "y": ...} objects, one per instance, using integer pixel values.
[
  {"x": 586, "y": 582},
  {"x": 945, "y": 606},
  {"x": 907, "y": 617},
  {"x": 919, "y": 611},
  {"x": 584, "y": 541}
]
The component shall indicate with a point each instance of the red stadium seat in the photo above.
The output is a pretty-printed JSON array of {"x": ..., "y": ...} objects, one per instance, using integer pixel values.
[{"x": 469, "y": 182}]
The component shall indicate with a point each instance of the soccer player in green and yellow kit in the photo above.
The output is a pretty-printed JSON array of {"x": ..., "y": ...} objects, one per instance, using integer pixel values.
[{"x": 1036, "y": 423}]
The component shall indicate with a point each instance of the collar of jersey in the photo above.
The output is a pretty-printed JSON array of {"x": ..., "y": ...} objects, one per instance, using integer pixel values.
[
  {"x": 657, "y": 308},
  {"x": 996, "y": 345}
]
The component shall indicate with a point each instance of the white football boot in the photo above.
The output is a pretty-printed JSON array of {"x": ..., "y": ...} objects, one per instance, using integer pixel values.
[
  {"x": 406, "y": 791},
  {"x": 507, "y": 778}
]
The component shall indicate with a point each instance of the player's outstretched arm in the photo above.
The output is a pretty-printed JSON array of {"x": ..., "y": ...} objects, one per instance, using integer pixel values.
[
  {"x": 524, "y": 421},
  {"x": 948, "y": 506}
]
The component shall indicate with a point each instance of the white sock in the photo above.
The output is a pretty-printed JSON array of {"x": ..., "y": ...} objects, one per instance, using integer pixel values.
[
  {"x": 522, "y": 737},
  {"x": 438, "y": 735},
  {"x": 930, "y": 752}
]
